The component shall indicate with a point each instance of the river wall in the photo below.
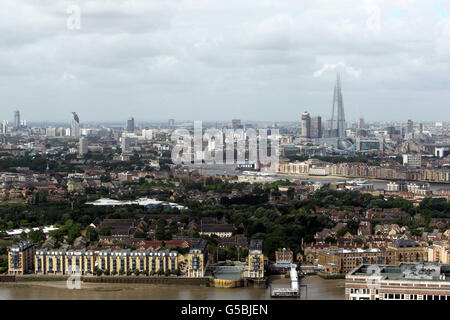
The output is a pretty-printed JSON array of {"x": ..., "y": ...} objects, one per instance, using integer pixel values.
[{"x": 149, "y": 280}]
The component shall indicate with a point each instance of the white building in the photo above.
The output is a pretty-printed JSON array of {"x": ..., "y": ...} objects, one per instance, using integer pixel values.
[
  {"x": 84, "y": 145},
  {"x": 147, "y": 134},
  {"x": 412, "y": 160}
]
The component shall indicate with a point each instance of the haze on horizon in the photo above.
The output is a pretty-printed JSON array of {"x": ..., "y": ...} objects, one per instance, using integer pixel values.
[{"x": 211, "y": 60}]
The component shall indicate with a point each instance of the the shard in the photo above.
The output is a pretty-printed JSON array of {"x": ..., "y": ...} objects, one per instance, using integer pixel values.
[{"x": 337, "y": 116}]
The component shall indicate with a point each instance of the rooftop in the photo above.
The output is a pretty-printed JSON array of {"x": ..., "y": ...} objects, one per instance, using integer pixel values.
[
  {"x": 21, "y": 245},
  {"x": 407, "y": 271}
]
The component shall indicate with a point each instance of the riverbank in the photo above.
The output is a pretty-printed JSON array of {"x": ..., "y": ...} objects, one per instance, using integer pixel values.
[{"x": 331, "y": 276}]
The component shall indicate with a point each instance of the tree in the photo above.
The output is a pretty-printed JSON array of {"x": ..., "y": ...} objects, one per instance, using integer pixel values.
[
  {"x": 106, "y": 231},
  {"x": 91, "y": 234},
  {"x": 36, "y": 236},
  {"x": 160, "y": 232},
  {"x": 342, "y": 232},
  {"x": 140, "y": 234}
]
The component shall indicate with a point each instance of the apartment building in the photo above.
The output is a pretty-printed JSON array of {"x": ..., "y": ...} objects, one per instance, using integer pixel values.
[
  {"x": 87, "y": 262},
  {"x": 405, "y": 250},
  {"x": 197, "y": 259},
  {"x": 21, "y": 258},
  {"x": 345, "y": 260},
  {"x": 439, "y": 252}
]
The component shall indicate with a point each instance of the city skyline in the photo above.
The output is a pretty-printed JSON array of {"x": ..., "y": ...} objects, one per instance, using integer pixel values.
[{"x": 184, "y": 60}]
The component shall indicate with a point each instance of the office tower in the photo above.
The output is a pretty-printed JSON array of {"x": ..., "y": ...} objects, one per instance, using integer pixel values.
[
  {"x": 409, "y": 127},
  {"x": 5, "y": 127},
  {"x": 421, "y": 128},
  {"x": 337, "y": 115},
  {"x": 316, "y": 127},
  {"x": 236, "y": 124},
  {"x": 50, "y": 132},
  {"x": 306, "y": 125},
  {"x": 84, "y": 146},
  {"x": 171, "y": 123},
  {"x": 75, "y": 125},
  {"x": 124, "y": 143},
  {"x": 130, "y": 125},
  {"x": 361, "y": 123},
  {"x": 328, "y": 127},
  {"x": 17, "y": 119}
]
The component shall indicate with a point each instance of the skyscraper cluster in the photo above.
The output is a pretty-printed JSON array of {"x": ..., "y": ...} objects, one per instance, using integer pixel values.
[
  {"x": 311, "y": 126},
  {"x": 335, "y": 128}
]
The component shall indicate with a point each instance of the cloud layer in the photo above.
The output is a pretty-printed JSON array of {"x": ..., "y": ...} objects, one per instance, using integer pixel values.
[{"x": 211, "y": 60}]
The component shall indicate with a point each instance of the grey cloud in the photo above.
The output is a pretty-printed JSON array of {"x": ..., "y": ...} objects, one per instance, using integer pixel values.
[{"x": 232, "y": 59}]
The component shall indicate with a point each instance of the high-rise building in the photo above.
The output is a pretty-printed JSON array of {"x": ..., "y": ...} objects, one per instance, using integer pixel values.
[
  {"x": 75, "y": 125},
  {"x": 306, "y": 125},
  {"x": 17, "y": 119},
  {"x": 409, "y": 128},
  {"x": 50, "y": 132},
  {"x": 130, "y": 125},
  {"x": 171, "y": 123},
  {"x": 5, "y": 127},
  {"x": 337, "y": 115},
  {"x": 316, "y": 127},
  {"x": 361, "y": 123},
  {"x": 84, "y": 146},
  {"x": 124, "y": 143}
]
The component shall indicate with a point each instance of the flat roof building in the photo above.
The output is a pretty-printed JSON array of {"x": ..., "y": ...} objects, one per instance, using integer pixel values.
[{"x": 405, "y": 281}]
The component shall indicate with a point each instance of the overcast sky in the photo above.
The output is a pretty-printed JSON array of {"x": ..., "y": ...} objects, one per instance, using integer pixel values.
[{"x": 219, "y": 60}]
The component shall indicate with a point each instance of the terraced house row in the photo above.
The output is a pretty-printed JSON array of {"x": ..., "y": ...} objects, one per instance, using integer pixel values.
[{"x": 60, "y": 262}]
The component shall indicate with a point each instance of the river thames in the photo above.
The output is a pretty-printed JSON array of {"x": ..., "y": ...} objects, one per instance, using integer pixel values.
[{"x": 317, "y": 289}]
